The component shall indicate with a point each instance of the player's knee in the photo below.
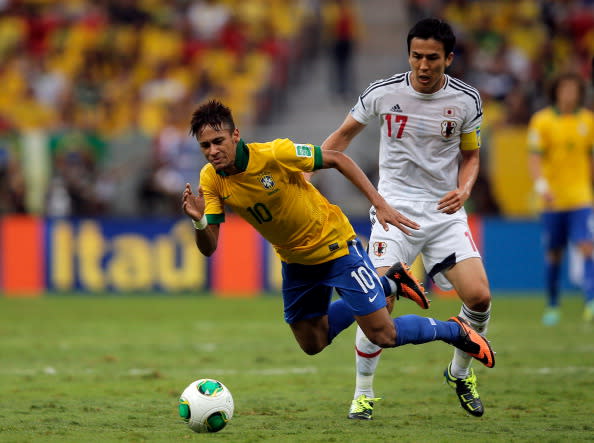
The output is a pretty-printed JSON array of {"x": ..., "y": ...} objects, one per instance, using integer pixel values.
[
  {"x": 479, "y": 300},
  {"x": 312, "y": 348},
  {"x": 384, "y": 338},
  {"x": 586, "y": 249}
]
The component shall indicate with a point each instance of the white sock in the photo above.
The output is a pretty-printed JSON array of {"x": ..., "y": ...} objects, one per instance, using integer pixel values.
[
  {"x": 367, "y": 357},
  {"x": 393, "y": 286},
  {"x": 460, "y": 367}
]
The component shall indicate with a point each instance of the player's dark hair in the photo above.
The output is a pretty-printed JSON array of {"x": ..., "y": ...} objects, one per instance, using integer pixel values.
[
  {"x": 214, "y": 114},
  {"x": 572, "y": 76},
  {"x": 436, "y": 29}
]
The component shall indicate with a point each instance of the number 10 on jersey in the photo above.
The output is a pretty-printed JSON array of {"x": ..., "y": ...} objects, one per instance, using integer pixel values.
[{"x": 399, "y": 124}]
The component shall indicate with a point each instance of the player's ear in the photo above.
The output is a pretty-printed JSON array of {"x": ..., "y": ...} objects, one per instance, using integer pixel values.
[
  {"x": 235, "y": 135},
  {"x": 449, "y": 59}
]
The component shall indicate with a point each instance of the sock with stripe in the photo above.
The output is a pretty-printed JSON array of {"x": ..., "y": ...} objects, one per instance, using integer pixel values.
[
  {"x": 388, "y": 285},
  {"x": 367, "y": 357},
  {"x": 460, "y": 367}
]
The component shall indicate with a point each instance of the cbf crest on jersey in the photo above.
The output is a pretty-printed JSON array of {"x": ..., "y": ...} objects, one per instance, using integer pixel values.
[
  {"x": 303, "y": 150},
  {"x": 447, "y": 128},
  {"x": 267, "y": 181}
]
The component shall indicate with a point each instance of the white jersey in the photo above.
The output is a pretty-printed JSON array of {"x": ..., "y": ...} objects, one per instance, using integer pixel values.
[{"x": 419, "y": 151}]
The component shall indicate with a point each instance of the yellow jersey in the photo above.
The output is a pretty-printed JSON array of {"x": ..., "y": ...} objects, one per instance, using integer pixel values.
[
  {"x": 565, "y": 142},
  {"x": 273, "y": 196}
]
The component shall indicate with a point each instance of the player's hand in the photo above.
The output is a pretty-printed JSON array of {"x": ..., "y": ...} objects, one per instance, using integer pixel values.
[
  {"x": 307, "y": 176},
  {"x": 452, "y": 201},
  {"x": 386, "y": 214},
  {"x": 193, "y": 205},
  {"x": 548, "y": 199}
]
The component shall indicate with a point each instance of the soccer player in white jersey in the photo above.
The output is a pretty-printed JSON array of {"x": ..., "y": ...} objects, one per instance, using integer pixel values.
[{"x": 428, "y": 163}]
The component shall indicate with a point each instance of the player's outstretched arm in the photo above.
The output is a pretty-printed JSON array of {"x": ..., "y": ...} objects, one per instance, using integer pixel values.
[
  {"x": 541, "y": 186},
  {"x": 340, "y": 139},
  {"x": 385, "y": 214},
  {"x": 207, "y": 236}
]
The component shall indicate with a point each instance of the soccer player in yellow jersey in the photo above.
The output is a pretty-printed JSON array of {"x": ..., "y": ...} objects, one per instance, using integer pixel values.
[
  {"x": 264, "y": 184},
  {"x": 560, "y": 140}
]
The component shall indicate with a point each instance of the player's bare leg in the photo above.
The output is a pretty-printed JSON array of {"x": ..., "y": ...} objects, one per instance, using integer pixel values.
[{"x": 470, "y": 281}]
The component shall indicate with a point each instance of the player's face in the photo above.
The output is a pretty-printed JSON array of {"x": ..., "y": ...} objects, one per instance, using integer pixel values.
[
  {"x": 568, "y": 95},
  {"x": 218, "y": 146},
  {"x": 428, "y": 63}
]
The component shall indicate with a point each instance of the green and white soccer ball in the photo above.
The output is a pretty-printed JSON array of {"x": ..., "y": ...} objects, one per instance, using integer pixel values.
[{"x": 206, "y": 405}]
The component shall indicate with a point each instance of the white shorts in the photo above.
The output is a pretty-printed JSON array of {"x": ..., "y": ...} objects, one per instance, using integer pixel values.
[{"x": 443, "y": 240}]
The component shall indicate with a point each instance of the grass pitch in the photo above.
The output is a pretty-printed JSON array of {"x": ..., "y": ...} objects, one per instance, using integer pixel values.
[{"x": 111, "y": 368}]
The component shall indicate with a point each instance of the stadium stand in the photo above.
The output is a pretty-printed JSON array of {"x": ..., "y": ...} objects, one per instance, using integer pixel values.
[{"x": 79, "y": 74}]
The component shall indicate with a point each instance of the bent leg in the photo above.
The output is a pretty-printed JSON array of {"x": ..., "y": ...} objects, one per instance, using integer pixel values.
[
  {"x": 367, "y": 354},
  {"x": 315, "y": 333},
  {"x": 311, "y": 334},
  {"x": 470, "y": 281},
  {"x": 387, "y": 332}
]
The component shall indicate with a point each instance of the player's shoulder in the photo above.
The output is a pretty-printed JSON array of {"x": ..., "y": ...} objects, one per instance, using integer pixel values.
[
  {"x": 458, "y": 87},
  {"x": 207, "y": 169},
  {"x": 542, "y": 115},
  {"x": 208, "y": 175},
  {"x": 586, "y": 113},
  {"x": 379, "y": 86}
]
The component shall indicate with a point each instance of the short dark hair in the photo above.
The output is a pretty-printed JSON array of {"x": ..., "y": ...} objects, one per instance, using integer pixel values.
[
  {"x": 212, "y": 113},
  {"x": 572, "y": 76},
  {"x": 436, "y": 29}
]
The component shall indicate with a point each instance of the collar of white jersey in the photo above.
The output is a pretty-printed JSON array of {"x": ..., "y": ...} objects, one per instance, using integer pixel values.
[{"x": 421, "y": 94}]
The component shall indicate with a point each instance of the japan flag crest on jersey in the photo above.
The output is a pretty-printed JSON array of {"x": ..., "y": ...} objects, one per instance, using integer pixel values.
[
  {"x": 447, "y": 128},
  {"x": 379, "y": 248}
]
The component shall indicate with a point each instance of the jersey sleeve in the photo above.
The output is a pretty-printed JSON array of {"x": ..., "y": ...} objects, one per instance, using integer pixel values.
[
  {"x": 474, "y": 112},
  {"x": 213, "y": 209},
  {"x": 364, "y": 109},
  {"x": 297, "y": 157}
]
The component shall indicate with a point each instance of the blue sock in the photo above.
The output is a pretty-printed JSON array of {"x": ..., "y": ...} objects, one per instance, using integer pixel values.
[
  {"x": 340, "y": 317},
  {"x": 386, "y": 285},
  {"x": 416, "y": 330},
  {"x": 589, "y": 279},
  {"x": 552, "y": 270}
]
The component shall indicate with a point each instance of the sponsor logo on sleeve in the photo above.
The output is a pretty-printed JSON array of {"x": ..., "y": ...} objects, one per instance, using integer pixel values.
[{"x": 303, "y": 150}]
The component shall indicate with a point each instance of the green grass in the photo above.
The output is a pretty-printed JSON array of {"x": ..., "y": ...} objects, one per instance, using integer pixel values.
[{"x": 111, "y": 368}]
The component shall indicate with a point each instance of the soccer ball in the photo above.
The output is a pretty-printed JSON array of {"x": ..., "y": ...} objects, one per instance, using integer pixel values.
[{"x": 206, "y": 405}]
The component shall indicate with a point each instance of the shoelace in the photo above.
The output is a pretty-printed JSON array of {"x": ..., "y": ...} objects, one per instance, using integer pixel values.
[
  {"x": 470, "y": 383},
  {"x": 363, "y": 403}
]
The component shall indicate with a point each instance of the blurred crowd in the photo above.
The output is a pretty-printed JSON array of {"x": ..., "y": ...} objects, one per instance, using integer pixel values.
[
  {"x": 97, "y": 94},
  {"x": 510, "y": 51}
]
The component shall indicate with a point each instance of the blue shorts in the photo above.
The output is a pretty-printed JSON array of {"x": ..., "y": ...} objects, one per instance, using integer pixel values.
[
  {"x": 561, "y": 227},
  {"x": 307, "y": 289}
]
